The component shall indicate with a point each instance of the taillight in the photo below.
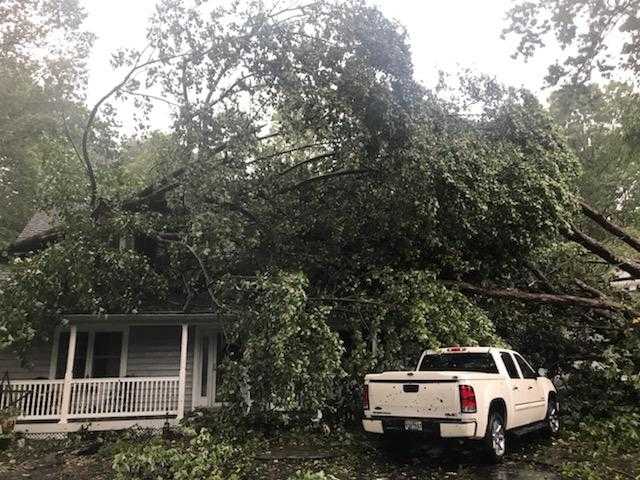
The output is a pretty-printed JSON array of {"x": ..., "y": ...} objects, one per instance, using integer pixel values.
[
  {"x": 365, "y": 397},
  {"x": 467, "y": 399}
]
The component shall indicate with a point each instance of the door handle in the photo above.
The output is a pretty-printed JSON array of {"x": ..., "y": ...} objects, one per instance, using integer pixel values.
[
  {"x": 530, "y": 388},
  {"x": 515, "y": 388}
]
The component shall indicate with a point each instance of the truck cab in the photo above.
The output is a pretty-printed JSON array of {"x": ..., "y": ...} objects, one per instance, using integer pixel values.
[{"x": 476, "y": 393}]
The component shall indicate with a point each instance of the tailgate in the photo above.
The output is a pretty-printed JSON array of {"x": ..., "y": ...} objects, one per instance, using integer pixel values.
[{"x": 419, "y": 397}]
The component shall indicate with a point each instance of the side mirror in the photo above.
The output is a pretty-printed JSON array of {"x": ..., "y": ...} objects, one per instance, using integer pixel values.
[{"x": 542, "y": 372}]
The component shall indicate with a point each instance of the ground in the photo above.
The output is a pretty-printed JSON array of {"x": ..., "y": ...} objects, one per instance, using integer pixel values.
[
  {"x": 593, "y": 450},
  {"x": 352, "y": 456}
]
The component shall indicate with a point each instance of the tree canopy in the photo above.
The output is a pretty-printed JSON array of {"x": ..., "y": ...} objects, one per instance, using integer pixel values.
[{"x": 598, "y": 36}]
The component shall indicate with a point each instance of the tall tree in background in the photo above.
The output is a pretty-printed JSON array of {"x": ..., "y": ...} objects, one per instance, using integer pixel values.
[
  {"x": 598, "y": 36},
  {"x": 42, "y": 82},
  {"x": 603, "y": 128}
]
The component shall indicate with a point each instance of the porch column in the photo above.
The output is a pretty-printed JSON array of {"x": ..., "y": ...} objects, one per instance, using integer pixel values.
[
  {"x": 68, "y": 375},
  {"x": 182, "y": 376}
]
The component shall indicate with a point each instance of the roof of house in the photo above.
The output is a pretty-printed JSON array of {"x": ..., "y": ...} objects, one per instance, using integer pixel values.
[
  {"x": 41, "y": 228},
  {"x": 40, "y": 223}
]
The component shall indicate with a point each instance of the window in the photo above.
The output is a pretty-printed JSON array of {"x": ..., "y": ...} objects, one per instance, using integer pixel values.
[
  {"x": 98, "y": 354},
  {"x": 527, "y": 371},
  {"x": 508, "y": 362},
  {"x": 459, "y": 362},
  {"x": 107, "y": 350},
  {"x": 80, "y": 359}
]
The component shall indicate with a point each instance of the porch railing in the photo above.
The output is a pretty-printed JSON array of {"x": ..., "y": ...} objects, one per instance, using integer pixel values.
[
  {"x": 94, "y": 398},
  {"x": 123, "y": 397},
  {"x": 34, "y": 399}
]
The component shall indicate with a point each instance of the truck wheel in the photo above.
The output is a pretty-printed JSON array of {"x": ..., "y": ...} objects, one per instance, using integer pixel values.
[
  {"x": 552, "y": 419},
  {"x": 495, "y": 439}
]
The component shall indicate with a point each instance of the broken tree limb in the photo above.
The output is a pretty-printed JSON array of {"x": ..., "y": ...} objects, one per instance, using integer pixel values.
[
  {"x": 603, "y": 252},
  {"x": 589, "y": 289},
  {"x": 540, "y": 277},
  {"x": 174, "y": 179},
  {"x": 307, "y": 161},
  {"x": 554, "y": 299},
  {"x": 595, "y": 293},
  {"x": 174, "y": 237},
  {"x": 320, "y": 178},
  {"x": 609, "y": 226}
]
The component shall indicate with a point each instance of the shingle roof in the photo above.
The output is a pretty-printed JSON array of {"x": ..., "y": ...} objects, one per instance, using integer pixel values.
[{"x": 39, "y": 224}]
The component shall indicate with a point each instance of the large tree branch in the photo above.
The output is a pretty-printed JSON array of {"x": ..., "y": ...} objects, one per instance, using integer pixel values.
[
  {"x": 541, "y": 277},
  {"x": 284, "y": 152},
  {"x": 610, "y": 227},
  {"x": 94, "y": 111},
  {"x": 173, "y": 181},
  {"x": 172, "y": 237},
  {"x": 315, "y": 158},
  {"x": 548, "y": 298},
  {"x": 327, "y": 176},
  {"x": 603, "y": 252}
]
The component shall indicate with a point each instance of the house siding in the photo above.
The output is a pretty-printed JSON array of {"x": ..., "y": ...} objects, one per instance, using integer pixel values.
[
  {"x": 155, "y": 352},
  {"x": 40, "y": 360}
]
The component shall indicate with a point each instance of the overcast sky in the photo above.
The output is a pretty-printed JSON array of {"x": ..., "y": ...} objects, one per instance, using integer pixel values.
[{"x": 445, "y": 35}]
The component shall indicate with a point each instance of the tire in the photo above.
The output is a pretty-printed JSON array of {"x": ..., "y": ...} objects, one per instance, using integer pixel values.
[
  {"x": 495, "y": 438},
  {"x": 552, "y": 420}
]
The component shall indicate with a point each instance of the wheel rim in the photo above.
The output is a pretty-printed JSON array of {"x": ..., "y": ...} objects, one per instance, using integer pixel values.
[
  {"x": 498, "y": 437},
  {"x": 554, "y": 418}
]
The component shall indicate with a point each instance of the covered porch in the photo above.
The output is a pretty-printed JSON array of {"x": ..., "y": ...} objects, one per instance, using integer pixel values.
[{"x": 115, "y": 371}]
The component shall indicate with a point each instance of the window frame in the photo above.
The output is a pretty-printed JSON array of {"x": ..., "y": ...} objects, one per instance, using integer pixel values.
[
  {"x": 524, "y": 377},
  {"x": 91, "y": 331},
  {"x": 214, "y": 360},
  {"x": 516, "y": 367},
  {"x": 459, "y": 354}
]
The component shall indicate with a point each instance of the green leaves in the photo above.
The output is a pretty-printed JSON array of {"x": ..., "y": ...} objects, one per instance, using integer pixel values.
[
  {"x": 82, "y": 272},
  {"x": 288, "y": 358},
  {"x": 205, "y": 457},
  {"x": 583, "y": 28}
]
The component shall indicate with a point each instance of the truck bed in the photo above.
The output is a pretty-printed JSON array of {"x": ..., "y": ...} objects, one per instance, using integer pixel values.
[{"x": 419, "y": 394}]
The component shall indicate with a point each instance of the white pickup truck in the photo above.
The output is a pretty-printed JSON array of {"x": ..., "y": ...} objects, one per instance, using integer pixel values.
[{"x": 462, "y": 392}]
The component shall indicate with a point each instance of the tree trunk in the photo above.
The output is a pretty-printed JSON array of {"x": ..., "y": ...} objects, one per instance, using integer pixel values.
[
  {"x": 603, "y": 252},
  {"x": 567, "y": 300},
  {"x": 610, "y": 227}
]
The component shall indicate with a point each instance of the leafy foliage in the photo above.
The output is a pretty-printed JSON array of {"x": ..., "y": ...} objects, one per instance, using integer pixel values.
[
  {"x": 598, "y": 36},
  {"x": 602, "y": 128},
  {"x": 604, "y": 448},
  {"x": 290, "y": 358},
  {"x": 204, "y": 458},
  {"x": 308, "y": 475},
  {"x": 81, "y": 273}
]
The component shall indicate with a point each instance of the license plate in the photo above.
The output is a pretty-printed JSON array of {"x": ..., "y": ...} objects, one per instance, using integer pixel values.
[{"x": 413, "y": 425}]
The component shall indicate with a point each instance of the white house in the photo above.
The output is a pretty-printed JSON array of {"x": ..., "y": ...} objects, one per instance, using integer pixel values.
[{"x": 115, "y": 371}]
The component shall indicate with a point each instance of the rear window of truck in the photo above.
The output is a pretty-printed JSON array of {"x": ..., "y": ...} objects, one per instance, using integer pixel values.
[{"x": 459, "y": 362}]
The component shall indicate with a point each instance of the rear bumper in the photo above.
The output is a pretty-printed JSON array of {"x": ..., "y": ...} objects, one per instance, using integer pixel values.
[{"x": 431, "y": 428}]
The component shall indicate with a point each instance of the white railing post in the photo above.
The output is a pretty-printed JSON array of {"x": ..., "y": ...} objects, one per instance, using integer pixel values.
[
  {"x": 68, "y": 376},
  {"x": 182, "y": 376}
]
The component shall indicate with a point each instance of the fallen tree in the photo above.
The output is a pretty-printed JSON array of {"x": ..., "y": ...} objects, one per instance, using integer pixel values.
[{"x": 556, "y": 299}]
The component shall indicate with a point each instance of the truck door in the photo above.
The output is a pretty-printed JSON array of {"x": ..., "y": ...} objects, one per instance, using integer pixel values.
[
  {"x": 535, "y": 404},
  {"x": 517, "y": 415}
]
